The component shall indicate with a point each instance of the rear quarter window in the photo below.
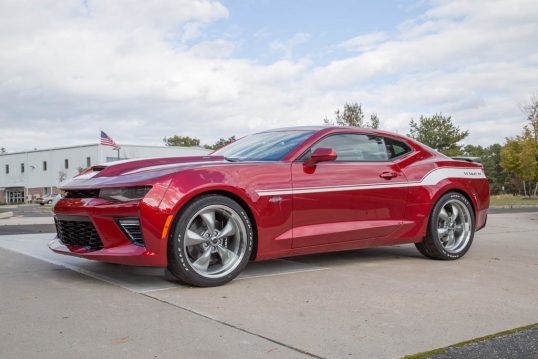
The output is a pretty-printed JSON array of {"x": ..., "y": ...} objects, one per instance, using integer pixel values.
[{"x": 396, "y": 148}]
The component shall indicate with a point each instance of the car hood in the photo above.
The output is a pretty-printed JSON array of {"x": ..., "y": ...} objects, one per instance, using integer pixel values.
[{"x": 137, "y": 172}]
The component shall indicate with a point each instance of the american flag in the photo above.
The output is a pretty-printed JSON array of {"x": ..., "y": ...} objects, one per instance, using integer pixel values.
[{"x": 107, "y": 140}]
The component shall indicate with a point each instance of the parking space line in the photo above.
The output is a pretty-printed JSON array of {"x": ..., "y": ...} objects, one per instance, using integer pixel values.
[{"x": 134, "y": 279}]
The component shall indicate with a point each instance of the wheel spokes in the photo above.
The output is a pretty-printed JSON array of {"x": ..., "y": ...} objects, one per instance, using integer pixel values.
[
  {"x": 192, "y": 239},
  {"x": 203, "y": 262},
  {"x": 226, "y": 255},
  {"x": 214, "y": 241},
  {"x": 443, "y": 214},
  {"x": 455, "y": 212},
  {"x": 442, "y": 232},
  {"x": 227, "y": 231},
  {"x": 451, "y": 239},
  {"x": 209, "y": 221}
]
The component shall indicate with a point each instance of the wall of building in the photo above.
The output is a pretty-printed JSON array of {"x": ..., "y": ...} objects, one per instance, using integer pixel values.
[{"x": 38, "y": 179}]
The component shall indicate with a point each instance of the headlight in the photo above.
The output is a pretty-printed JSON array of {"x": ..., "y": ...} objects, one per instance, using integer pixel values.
[{"x": 124, "y": 194}]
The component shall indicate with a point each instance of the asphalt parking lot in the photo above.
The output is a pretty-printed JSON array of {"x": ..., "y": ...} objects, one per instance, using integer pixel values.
[{"x": 382, "y": 303}]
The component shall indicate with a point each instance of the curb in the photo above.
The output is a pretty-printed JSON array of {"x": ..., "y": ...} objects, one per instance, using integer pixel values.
[{"x": 508, "y": 206}]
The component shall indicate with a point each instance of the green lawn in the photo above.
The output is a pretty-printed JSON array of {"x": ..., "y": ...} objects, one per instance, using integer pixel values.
[{"x": 506, "y": 200}]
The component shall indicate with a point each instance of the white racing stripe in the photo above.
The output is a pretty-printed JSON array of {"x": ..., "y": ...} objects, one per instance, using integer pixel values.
[{"x": 431, "y": 178}]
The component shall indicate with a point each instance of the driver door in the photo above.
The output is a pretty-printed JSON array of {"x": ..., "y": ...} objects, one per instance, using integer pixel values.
[{"x": 360, "y": 195}]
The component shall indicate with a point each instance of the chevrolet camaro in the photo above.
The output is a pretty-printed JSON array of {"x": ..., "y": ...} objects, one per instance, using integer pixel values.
[{"x": 278, "y": 193}]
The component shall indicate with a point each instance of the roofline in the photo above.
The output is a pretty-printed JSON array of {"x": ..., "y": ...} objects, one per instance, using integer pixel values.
[
  {"x": 48, "y": 149},
  {"x": 97, "y": 145}
]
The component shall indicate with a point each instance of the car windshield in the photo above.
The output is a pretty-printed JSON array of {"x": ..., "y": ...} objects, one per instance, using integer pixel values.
[{"x": 264, "y": 146}]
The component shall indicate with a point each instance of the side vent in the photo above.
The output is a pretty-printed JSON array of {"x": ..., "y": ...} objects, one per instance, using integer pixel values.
[{"x": 131, "y": 227}]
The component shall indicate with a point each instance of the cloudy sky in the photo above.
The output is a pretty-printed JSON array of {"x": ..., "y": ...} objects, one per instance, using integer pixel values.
[{"x": 149, "y": 69}]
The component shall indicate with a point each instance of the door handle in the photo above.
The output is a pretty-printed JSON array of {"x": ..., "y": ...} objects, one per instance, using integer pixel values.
[{"x": 388, "y": 175}]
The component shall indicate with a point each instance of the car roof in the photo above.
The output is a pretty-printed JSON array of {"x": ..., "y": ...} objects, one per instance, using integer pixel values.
[{"x": 332, "y": 128}]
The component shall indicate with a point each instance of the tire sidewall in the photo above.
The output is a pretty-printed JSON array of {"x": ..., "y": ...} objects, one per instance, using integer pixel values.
[
  {"x": 178, "y": 263},
  {"x": 432, "y": 226}
]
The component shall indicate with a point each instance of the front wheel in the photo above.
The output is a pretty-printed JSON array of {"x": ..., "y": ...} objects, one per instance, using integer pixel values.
[
  {"x": 450, "y": 229},
  {"x": 211, "y": 243}
]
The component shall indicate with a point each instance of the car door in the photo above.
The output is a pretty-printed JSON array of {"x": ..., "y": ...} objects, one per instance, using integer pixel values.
[{"x": 360, "y": 195}]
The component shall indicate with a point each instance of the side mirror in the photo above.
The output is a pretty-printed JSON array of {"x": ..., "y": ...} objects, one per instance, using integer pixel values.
[{"x": 320, "y": 155}]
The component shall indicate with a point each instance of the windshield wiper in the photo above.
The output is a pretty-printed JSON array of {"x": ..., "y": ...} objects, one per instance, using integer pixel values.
[{"x": 232, "y": 159}]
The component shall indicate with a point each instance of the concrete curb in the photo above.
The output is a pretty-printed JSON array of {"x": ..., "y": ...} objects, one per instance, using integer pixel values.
[
  {"x": 5, "y": 215},
  {"x": 25, "y": 221},
  {"x": 515, "y": 206}
]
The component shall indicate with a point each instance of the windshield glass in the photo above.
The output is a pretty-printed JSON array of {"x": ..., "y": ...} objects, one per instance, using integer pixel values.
[{"x": 265, "y": 146}]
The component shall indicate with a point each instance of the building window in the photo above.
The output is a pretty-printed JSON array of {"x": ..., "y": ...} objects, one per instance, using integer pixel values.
[
  {"x": 44, "y": 165},
  {"x": 46, "y": 190},
  {"x": 22, "y": 167},
  {"x": 7, "y": 169},
  {"x": 66, "y": 163},
  {"x": 88, "y": 161}
]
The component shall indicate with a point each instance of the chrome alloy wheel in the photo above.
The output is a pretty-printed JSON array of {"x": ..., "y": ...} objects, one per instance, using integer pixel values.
[
  {"x": 215, "y": 241},
  {"x": 454, "y": 226}
]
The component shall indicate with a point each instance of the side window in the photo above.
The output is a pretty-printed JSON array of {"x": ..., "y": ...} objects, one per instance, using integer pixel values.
[
  {"x": 353, "y": 147},
  {"x": 396, "y": 148}
]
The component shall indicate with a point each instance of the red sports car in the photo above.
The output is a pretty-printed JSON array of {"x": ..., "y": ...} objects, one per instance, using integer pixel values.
[{"x": 277, "y": 193}]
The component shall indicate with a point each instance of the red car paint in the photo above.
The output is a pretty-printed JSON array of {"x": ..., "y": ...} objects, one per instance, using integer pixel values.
[{"x": 296, "y": 208}]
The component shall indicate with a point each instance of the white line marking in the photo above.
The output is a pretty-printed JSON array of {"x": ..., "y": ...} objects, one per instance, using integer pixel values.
[
  {"x": 134, "y": 279},
  {"x": 281, "y": 273},
  {"x": 431, "y": 178}
]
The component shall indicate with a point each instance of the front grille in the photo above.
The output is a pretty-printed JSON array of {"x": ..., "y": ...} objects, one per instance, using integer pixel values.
[
  {"x": 131, "y": 227},
  {"x": 78, "y": 231},
  {"x": 82, "y": 193}
]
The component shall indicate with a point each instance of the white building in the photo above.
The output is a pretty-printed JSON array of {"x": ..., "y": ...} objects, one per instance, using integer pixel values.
[{"x": 25, "y": 176}]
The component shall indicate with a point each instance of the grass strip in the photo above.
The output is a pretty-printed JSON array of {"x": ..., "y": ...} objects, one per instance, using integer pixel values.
[{"x": 425, "y": 355}]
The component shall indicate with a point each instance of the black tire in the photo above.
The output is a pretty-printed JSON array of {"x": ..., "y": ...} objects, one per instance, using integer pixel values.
[
  {"x": 181, "y": 260},
  {"x": 436, "y": 247}
]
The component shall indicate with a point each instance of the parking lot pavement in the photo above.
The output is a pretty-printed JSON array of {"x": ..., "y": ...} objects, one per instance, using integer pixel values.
[
  {"x": 47, "y": 311},
  {"x": 383, "y": 302}
]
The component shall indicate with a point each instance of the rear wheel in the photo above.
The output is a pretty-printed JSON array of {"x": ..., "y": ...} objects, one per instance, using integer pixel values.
[
  {"x": 212, "y": 242},
  {"x": 450, "y": 229}
]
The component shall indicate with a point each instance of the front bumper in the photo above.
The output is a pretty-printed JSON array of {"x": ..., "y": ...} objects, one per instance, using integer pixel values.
[
  {"x": 116, "y": 246},
  {"x": 129, "y": 254}
]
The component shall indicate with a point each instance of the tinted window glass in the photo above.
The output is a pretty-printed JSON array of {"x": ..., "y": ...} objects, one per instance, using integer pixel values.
[
  {"x": 353, "y": 147},
  {"x": 396, "y": 148},
  {"x": 265, "y": 146}
]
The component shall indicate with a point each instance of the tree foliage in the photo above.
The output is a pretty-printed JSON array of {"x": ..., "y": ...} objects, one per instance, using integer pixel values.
[
  {"x": 520, "y": 154},
  {"x": 3, "y": 150},
  {"x": 499, "y": 180},
  {"x": 220, "y": 143},
  {"x": 184, "y": 141},
  {"x": 438, "y": 132},
  {"x": 353, "y": 116}
]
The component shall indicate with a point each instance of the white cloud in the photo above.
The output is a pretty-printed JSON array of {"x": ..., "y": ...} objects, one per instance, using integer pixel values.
[
  {"x": 287, "y": 46},
  {"x": 363, "y": 42},
  {"x": 145, "y": 71}
]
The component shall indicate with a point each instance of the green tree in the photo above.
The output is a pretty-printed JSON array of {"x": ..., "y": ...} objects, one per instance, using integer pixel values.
[
  {"x": 519, "y": 155},
  {"x": 220, "y": 143},
  {"x": 184, "y": 141},
  {"x": 532, "y": 118},
  {"x": 499, "y": 180},
  {"x": 439, "y": 133},
  {"x": 353, "y": 116}
]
